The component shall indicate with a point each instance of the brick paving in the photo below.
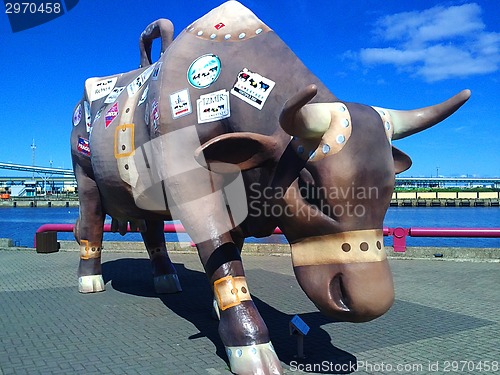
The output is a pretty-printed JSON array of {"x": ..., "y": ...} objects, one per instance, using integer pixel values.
[{"x": 444, "y": 311}]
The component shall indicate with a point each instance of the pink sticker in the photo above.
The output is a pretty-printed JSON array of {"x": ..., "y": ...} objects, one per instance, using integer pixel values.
[{"x": 111, "y": 114}]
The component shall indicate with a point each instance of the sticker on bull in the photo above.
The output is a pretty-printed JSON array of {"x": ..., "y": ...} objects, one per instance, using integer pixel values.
[
  {"x": 102, "y": 88},
  {"x": 204, "y": 71},
  {"x": 83, "y": 146},
  {"x": 213, "y": 106},
  {"x": 114, "y": 95},
  {"x": 77, "y": 115},
  {"x": 111, "y": 114},
  {"x": 252, "y": 88},
  {"x": 144, "y": 96},
  {"x": 88, "y": 118},
  {"x": 156, "y": 71},
  {"x": 141, "y": 79},
  {"x": 180, "y": 104}
]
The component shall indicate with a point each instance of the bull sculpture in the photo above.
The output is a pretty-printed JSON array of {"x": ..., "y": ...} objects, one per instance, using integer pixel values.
[{"x": 218, "y": 135}]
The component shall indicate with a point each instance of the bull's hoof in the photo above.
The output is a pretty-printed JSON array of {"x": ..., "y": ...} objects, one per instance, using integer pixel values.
[
  {"x": 167, "y": 284},
  {"x": 91, "y": 284},
  {"x": 254, "y": 359}
]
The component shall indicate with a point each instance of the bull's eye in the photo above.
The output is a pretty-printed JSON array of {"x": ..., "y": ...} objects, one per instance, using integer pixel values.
[{"x": 308, "y": 191}]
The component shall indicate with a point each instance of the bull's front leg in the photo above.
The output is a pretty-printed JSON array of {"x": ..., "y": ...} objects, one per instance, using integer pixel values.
[
  {"x": 88, "y": 233},
  {"x": 164, "y": 273},
  {"x": 241, "y": 328}
]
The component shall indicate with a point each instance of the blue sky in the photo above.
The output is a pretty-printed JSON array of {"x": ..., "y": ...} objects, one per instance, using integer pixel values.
[{"x": 394, "y": 54}]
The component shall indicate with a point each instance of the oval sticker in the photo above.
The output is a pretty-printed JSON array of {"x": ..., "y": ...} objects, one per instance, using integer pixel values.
[{"x": 204, "y": 71}]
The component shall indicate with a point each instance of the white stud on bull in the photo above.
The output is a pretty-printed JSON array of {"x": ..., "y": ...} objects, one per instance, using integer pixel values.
[{"x": 218, "y": 135}]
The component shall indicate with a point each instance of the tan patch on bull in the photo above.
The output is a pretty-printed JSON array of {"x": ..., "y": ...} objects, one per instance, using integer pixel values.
[
  {"x": 230, "y": 291},
  {"x": 229, "y": 22},
  {"x": 347, "y": 247}
]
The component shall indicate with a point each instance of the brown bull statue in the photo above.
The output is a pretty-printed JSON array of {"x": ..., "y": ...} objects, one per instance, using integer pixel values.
[{"x": 217, "y": 134}]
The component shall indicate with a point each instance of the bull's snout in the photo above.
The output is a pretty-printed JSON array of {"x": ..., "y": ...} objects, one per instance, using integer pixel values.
[{"x": 346, "y": 275}]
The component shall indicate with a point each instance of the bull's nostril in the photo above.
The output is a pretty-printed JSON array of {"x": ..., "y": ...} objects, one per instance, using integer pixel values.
[{"x": 338, "y": 293}]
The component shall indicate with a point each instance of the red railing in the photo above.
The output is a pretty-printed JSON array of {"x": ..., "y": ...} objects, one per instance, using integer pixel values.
[{"x": 399, "y": 234}]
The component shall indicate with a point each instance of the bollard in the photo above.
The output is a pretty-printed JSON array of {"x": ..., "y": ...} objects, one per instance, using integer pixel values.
[{"x": 46, "y": 242}]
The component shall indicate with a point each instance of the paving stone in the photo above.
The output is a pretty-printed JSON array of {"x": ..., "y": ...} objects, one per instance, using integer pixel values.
[{"x": 444, "y": 311}]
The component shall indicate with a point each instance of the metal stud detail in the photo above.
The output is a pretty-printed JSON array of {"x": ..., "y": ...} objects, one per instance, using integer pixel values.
[
  {"x": 325, "y": 149},
  {"x": 213, "y": 36},
  {"x": 387, "y": 125},
  {"x": 345, "y": 123},
  {"x": 200, "y": 33},
  {"x": 242, "y": 35},
  {"x": 258, "y": 31},
  {"x": 239, "y": 353},
  {"x": 227, "y": 36},
  {"x": 300, "y": 149},
  {"x": 340, "y": 139}
]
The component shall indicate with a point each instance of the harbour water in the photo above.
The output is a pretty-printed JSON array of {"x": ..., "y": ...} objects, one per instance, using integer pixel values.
[{"x": 20, "y": 224}]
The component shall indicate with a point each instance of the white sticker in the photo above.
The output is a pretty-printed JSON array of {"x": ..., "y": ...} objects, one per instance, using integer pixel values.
[
  {"x": 138, "y": 82},
  {"x": 204, "y": 71},
  {"x": 252, "y": 88},
  {"x": 144, "y": 96},
  {"x": 213, "y": 106},
  {"x": 114, "y": 95},
  {"x": 88, "y": 119},
  {"x": 77, "y": 115},
  {"x": 180, "y": 104},
  {"x": 156, "y": 71},
  {"x": 102, "y": 88}
]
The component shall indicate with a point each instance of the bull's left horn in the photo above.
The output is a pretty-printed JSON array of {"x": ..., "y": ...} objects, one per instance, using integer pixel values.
[
  {"x": 410, "y": 122},
  {"x": 302, "y": 120}
]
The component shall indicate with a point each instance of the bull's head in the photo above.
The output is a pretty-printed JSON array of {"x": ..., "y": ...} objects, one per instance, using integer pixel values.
[{"x": 338, "y": 170}]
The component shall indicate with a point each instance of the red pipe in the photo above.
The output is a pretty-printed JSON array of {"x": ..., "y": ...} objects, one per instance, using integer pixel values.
[{"x": 455, "y": 232}]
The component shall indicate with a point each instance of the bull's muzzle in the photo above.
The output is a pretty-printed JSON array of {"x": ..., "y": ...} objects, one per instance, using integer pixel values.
[{"x": 346, "y": 275}]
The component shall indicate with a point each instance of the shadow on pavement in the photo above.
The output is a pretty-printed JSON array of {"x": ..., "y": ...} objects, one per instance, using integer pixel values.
[{"x": 133, "y": 276}]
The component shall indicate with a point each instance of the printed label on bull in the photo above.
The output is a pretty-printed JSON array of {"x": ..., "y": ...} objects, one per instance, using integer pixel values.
[
  {"x": 180, "y": 103},
  {"x": 83, "y": 146},
  {"x": 144, "y": 96},
  {"x": 155, "y": 114},
  {"x": 114, "y": 95},
  {"x": 213, "y": 106},
  {"x": 77, "y": 116},
  {"x": 252, "y": 88},
  {"x": 88, "y": 119},
  {"x": 98, "y": 114},
  {"x": 204, "y": 71},
  {"x": 102, "y": 88},
  {"x": 111, "y": 114},
  {"x": 156, "y": 71},
  {"x": 137, "y": 83}
]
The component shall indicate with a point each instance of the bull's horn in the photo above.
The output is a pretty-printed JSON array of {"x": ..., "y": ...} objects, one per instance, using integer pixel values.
[
  {"x": 410, "y": 122},
  {"x": 302, "y": 120}
]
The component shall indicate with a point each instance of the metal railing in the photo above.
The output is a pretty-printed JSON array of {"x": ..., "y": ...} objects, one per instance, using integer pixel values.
[{"x": 47, "y": 234}]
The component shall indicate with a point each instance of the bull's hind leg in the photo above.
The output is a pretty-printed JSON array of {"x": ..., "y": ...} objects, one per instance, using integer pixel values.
[
  {"x": 164, "y": 273},
  {"x": 88, "y": 233}
]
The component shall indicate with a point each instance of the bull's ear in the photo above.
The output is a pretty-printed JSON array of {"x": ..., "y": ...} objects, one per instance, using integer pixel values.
[
  {"x": 402, "y": 162},
  {"x": 241, "y": 150}
]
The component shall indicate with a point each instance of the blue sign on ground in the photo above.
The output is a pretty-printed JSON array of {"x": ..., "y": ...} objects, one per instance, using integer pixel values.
[{"x": 298, "y": 325}]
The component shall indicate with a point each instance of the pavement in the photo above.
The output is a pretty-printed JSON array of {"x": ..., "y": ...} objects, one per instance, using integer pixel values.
[{"x": 445, "y": 319}]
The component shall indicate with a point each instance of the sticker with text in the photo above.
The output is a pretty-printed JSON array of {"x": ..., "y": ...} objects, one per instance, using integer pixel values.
[
  {"x": 102, "y": 88},
  {"x": 138, "y": 82},
  {"x": 88, "y": 118},
  {"x": 155, "y": 114},
  {"x": 180, "y": 103},
  {"x": 144, "y": 96},
  {"x": 77, "y": 115},
  {"x": 204, "y": 71},
  {"x": 114, "y": 95},
  {"x": 83, "y": 146},
  {"x": 213, "y": 106},
  {"x": 111, "y": 114},
  {"x": 156, "y": 71},
  {"x": 252, "y": 88}
]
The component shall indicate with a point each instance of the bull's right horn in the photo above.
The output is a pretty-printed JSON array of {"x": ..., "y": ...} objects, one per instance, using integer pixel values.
[
  {"x": 410, "y": 122},
  {"x": 302, "y": 120}
]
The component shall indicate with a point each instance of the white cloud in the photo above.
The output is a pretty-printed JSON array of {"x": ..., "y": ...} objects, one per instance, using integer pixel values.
[{"x": 437, "y": 43}]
